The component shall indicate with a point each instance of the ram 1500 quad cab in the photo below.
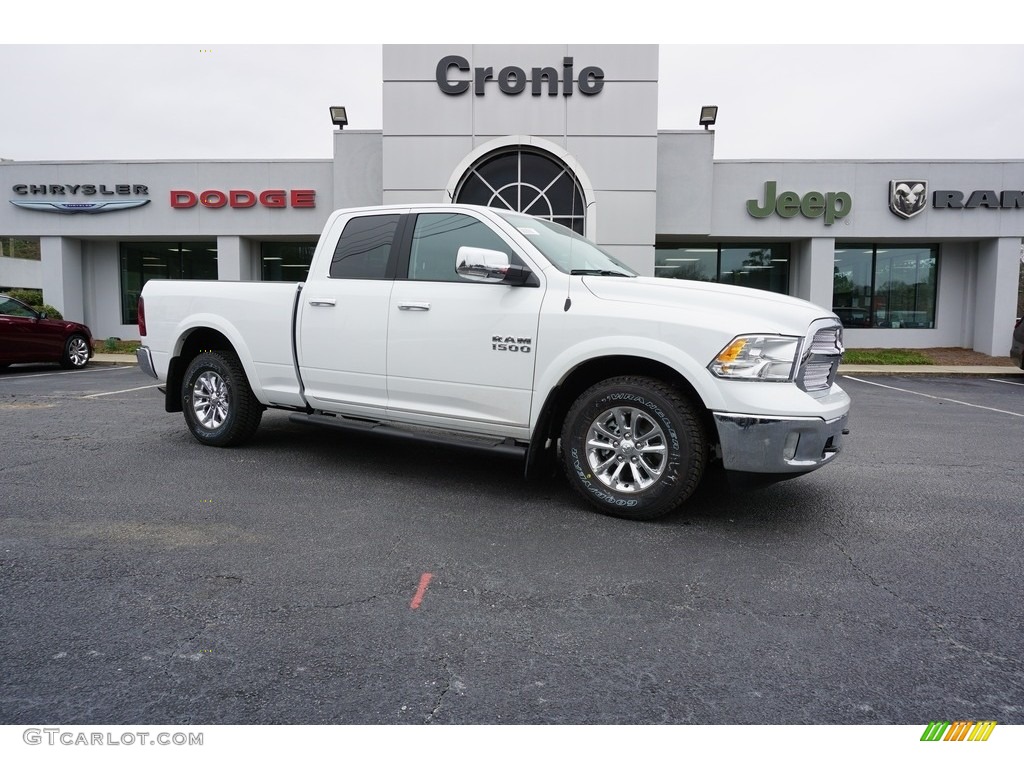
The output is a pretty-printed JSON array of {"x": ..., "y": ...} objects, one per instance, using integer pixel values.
[{"x": 484, "y": 327}]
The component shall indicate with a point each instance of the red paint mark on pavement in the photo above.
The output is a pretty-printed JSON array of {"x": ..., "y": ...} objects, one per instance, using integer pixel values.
[{"x": 421, "y": 590}]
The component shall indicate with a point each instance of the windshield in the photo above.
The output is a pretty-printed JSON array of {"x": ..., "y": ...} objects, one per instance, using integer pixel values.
[{"x": 569, "y": 252}]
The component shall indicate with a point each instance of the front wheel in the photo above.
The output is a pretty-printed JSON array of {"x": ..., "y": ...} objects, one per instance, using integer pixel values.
[
  {"x": 219, "y": 405},
  {"x": 76, "y": 352},
  {"x": 634, "y": 447}
]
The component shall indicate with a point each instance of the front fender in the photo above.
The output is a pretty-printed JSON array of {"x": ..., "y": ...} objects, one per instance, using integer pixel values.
[{"x": 553, "y": 372}]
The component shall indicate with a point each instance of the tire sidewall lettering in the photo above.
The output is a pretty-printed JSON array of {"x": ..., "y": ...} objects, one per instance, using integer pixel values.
[{"x": 685, "y": 445}]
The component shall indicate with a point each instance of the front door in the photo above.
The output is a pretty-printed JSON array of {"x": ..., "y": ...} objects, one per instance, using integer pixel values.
[{"x": 461, "y": 354}]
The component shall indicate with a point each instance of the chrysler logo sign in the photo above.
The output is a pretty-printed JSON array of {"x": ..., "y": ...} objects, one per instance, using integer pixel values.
[
  {"x": 116, "y": 194},
  {"x": 907, "y": 198},
  {"x": 58, "y": 206}
]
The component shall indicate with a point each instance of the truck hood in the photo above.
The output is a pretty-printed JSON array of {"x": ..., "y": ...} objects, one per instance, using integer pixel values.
[{"x": 785, "y": 314}]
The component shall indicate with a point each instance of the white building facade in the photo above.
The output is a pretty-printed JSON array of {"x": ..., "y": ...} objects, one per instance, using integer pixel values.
[{"x": 908, "y": 253}]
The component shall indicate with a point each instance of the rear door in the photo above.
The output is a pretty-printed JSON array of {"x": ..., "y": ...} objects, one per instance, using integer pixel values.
[{"x": 342, "y": 324}]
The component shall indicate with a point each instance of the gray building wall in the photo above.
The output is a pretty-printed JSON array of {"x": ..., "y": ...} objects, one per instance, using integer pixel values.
[
  {"x": 20, "y": 273},
  {"x": 79, "y": 272},
  {"x": 430, "y": 138}
]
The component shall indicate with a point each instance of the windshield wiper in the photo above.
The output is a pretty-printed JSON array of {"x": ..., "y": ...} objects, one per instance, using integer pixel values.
[{"x": 599, "y": 272}]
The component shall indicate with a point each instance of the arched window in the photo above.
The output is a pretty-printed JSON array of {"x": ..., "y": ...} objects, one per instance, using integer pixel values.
[{"x": 527, "y": 180}]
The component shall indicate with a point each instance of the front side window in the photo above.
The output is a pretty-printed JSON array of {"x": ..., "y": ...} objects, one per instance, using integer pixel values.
[
  {"x": 882, "y": 286},
  {"x": 437, "y": 238},
  {"x": 141, "y": 262}
]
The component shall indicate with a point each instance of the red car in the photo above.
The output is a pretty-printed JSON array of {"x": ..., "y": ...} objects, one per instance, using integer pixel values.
[{"x": 27, "y": 336}]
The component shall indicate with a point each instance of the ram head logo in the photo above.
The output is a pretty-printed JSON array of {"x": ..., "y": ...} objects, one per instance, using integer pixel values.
[{"x": 907, "y": 198}]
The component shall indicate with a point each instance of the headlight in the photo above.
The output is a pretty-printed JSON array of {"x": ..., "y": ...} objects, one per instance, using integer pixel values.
[{"x": 757, "y": 358}]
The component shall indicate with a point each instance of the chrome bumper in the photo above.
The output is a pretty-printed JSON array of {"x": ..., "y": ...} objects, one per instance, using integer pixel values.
[
  {"x": 145, "y": 360},
  {"x": 778, "y": 444}
]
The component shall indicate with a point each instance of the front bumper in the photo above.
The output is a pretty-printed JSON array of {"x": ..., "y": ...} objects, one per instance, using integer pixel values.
[
  {"x": 145, "y": 360},
  {"x": 778, "y": 444}
]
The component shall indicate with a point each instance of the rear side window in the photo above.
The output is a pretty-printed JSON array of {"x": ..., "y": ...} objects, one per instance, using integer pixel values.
[{"x": 364, "y": 248}]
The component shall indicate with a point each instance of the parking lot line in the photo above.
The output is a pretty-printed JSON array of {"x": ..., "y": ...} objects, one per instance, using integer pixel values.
[
  {"x": 16, "y": 377},
  {"x": 934, "y": 397},
  {"x": 1004, "y": 381},
  {"x": 119, "y": 391}
]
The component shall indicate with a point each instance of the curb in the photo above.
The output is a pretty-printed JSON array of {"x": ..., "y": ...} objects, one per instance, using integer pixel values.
[{"x": 930, "y": 370}]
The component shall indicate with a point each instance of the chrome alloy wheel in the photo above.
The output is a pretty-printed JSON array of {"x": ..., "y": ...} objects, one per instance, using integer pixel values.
[
  {"x": 210, "y": 399},
  {"x": 626, "y": 450},
  {"x": 78, "y": 351}
]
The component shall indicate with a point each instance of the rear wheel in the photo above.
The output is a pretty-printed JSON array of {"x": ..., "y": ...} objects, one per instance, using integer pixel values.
[
  {"x": 634, "y": 447},
  {"x": 76, "y": 352},
  {"x": 219, "y": 405}
]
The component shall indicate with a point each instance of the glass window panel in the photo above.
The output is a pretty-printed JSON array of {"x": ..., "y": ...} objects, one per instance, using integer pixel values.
[
  {"x": 500, "y": 175},
  {"x": 885, "y": 286},
  {"x": 436, "y": 241},
  {"x": 141, "y": 262},
  {"x": 20, "y": 248},
  {"x": 765, "y": 267},
  {"x": 761, "y": 266},
  {"x": 527, "y": 181},
  {"x": 286, "y": 262},
  {"x": 905, "y": 287},
  {"x": 852, "y": 286},
  {"x": 686, "y": 263},
  {"x": 364, "y": 248}
]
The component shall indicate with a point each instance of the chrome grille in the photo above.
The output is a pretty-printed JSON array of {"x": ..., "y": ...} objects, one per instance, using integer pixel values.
[
  {"x": 828, "y": 341},
  {"x": 817, "y": 374},
  {"x": 821, "y": 357}
]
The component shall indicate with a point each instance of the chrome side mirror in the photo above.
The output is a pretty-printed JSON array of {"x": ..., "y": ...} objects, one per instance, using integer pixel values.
[{"x": 483, "y": 265}]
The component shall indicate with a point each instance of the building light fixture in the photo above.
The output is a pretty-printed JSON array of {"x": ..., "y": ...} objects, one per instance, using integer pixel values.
[
  {"x": 708, "y": 116},
  {"x": 339, "y": 116}
]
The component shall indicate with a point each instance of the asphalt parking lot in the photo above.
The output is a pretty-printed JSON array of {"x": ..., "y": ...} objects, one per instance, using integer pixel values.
[{"x": 312, "y": 577}]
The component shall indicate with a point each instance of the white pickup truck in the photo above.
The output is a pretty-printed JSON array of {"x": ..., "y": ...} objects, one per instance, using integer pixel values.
[{"x": 475, "y": 326}]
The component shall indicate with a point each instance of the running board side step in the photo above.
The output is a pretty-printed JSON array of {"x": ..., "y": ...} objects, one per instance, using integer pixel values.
[{"x": 501, "y": 447}]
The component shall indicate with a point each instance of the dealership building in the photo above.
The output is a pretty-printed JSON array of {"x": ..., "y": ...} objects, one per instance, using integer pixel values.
[{"x": 908, "y": 253}]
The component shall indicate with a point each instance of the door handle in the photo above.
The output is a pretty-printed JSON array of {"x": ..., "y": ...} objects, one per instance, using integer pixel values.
[
  {"x": 415, "y": 306},
  {"x": 321, "y": 302}
]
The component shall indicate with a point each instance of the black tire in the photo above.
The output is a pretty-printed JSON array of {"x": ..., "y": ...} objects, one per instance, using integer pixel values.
[
  {"x": 76, "y": 352},
  {"x": 642, "y": 474},
  {"x": 220, "y": 408}
]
